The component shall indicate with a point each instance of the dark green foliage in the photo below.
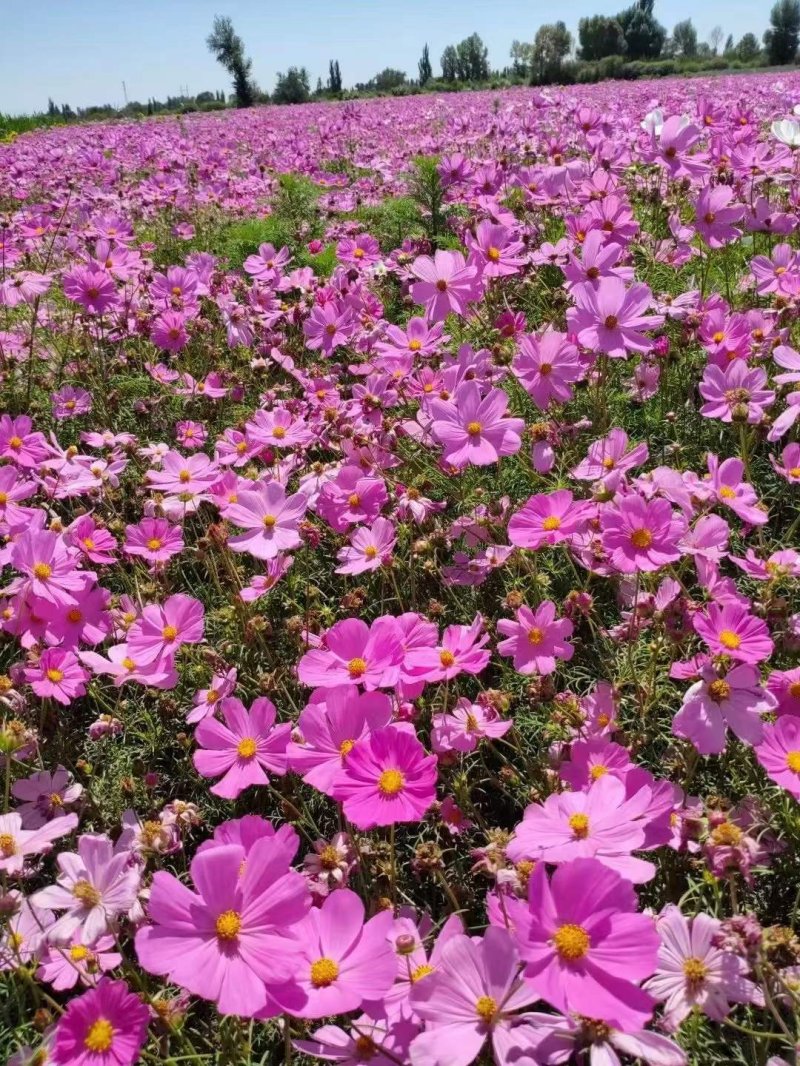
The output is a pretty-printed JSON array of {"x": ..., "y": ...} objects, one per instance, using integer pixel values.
[
  {"x": 292, "y": 87},
  {"x": 551, "y": 46},
  {"x": 781, "y": 39},
  {"x": 425, "y": 68},
  {"x": 644, "y": 36},
  {"x": 684, "y": 38},
  {"x": 600, "y": 36}
]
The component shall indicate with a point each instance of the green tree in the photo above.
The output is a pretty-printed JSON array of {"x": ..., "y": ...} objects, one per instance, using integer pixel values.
[
  {"x": 644, "y": 36},
  {"x": 600, "y": 36},
  {"x": 729, "y": 45},
  {"x": 425, "y": 68},
  {"x": 781, "y": 39},
  {"x": 449, "y": 63},
  {"x": 334, "y": 78},
  {"x": 472, "y": 59},
  {"x": 228, "y": 48},
  {"x": 521, "y": 54},
  {"x": 292, "y": 87},
  {"x": 748, "y": 48},
  {"x": 551, "y": 45},
  {"x": 684, "y": 38},
  {"x": 715, "y": 38},
  {"x": 389, "y": 79}
]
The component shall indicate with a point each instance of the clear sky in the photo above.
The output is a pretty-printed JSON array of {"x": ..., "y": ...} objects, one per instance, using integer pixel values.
[{"x": 80, "y": 51}]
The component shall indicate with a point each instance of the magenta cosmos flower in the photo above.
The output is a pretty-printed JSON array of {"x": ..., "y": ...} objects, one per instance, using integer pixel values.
[
  {"x": 271, "y": 519},
  {"x": 585, "y": 945},
  {"x": 714, "y": 217},
  {"x": 231, "y": 937},
  {"x": 610, "y": 455},
  {"x": 106, "y": 1026},
  {"x": 446, "y": 284},
  {"x": 737, "y": 700},
  {"x": 496, "y": 250},
  {"x": 600, "y": 823},
  {"x": 16, "y": 843},
  {"x": 154, "y": 539},
  {"x": 546, "y": 366},
  {"x": 469, "y": 998},
  {"x": 387, "y": 778},
  {"x": 354, "y": 653},
  {"x": 369, "y": 549},
  {"x": 163, "y": 628},
  {"x": 641, "y": 534},
  {"x": 779, "y": 753},
  {"x": 475, "y": 429},
  {"x": 58, "y": 675},
  {"x": 548, "y": 518},
  {"x": 694, "y": 974},
  {"x": 535, "y": 639},
  {"x": 735, "y": 391},
  {"x": 341, "y": 961},
  {"x": 729, "y": 629},
  {"x": 243, "y": 748},
  {"x": 610, "y": 317}
]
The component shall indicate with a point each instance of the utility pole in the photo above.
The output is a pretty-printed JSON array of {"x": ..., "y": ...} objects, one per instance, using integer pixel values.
[{"x": 125, "y": 93}]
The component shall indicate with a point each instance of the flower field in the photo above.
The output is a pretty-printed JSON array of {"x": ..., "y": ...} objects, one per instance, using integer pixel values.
[{"x": 400, "y": 613}]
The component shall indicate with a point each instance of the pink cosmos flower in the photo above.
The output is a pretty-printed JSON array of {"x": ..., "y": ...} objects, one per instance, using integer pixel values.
[
  {"x": 546, "y": 366},
  {"x": 548, "y": 518},
  {"x": 50, "y": 568},
  {"x": 169, "y": 332},
  {"x": 328, "y": 729},
  {"x": 726, "y": 483},
  {"x": 381, "y": 1043},
  {"x": 206, "y": 700},
  {"x": 714, "y": 217},
  {"x": 154, "y": 539},
  {"x": 106, "y": 1026},
  {"x": 785, "y": 687},
  {"x": 461, "y": 651},
  {"x": 735, "y": 391},
  {"x": 535, "y": 639},
  {"x": 610, "y": 317},
  {"x": 45, "y": 796},
  {"x": 261, "y": 584},
  {"x": 692, "y": 973},
  {"x": 92, "y": 540},
  {"x": 341, "y": 960},
  {"x": 63, "y": 966},
  {"x": 359, "y": 251},
  {"x": 163, "y": 628},
  {"x": 736, "y": 700},
  {"x": 328, "y": 327},
  {"x": 94, "y": 887},
  {"x": 446, "y": 284},
  {"x": 24, "y": 932},
  {"x": 58, "y": 675},
  {"x": 600, "y": 823},
  {"x": 369, "y": 549},
  {"x": 585, "y": 950},
  {"x": 470, "y": 997},
  {"x": 70, "y": 402},
  {"x": 16, "y": 842},
  {"x": 465, "y": 726},
  {"x": 779, "y": 753},
  {"x": 243, "y": 749},
  {"x": 355, "y": 654},
  {"x": 352, "y": 497},
  {"x": 231, "y": 937},
  {"x": 641, "y": 534},
  {"x": 20, "y": 444},
  {"x": 608, "y": 456},
  {"x": 496, "y": 250},
  {"x": 271, "y": 519},
  {"x": 474, "y": 429},
  {"x": 387, "y": 778},
  {"x": 267, "y": 264},
  {"x": 592, "y": 759},
  {"x": 729, "y": 629},
  {"x": 93, "y": 289},
  {"x": 561, "y": 1038},
  {"x": 160, "y": 673}
]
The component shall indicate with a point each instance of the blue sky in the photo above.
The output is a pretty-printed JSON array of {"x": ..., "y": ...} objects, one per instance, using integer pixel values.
[{"x": 80, "y": 51}]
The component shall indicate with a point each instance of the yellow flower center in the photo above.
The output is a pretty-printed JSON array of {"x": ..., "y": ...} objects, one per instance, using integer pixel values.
[
  {"x": 719, "y": 690},
  {"x": 346, "y": 747},
  {"x": 571, "y": 942},
  {"x": 641, "y": 538},
  {"x": 3, "y": 498},
  {"x": 598, "y": 771},
  {"x": 169, "y": 632},
  {"x": 729, "y": 639},
  {"x": 726, "y": 834},
  {"x": 420, "y": 972},
  {"x": 154, "y": 544},
  {"x": 269, "y": 520},
  {"x": 370, "y": 551},
  {"x": 15, "y": 443},
  {"x": 246, "y": 748},
  {"x": 100, "y": 1036},
  {"x": 795, "y": 471},
  {"x": 323, "y": 972},
  {"x": 356, "y": 668},
  {"x": 7, "y": 845},
  {"x": 793, "y": 761},
  {"x": 88, "y": 543},
  {"x": 794, "y": 690},
  {"x": 545, "y": 369},
  {"x": 228, "y": 924},
  {"x": 579, "y": 824},
  {"x": 535, "y": 636},
  {"x": 391, "y": 782},
  {"x": 493, "y": 254},
  {"x": 86, "y": 893},
  {"x": 329, "y": 857},
  {"x": 551, "y": 522},
  {"x": 727, "y": 493},
  {"x": 695, "y": 969},
  {"x": 354, "y": 499},
  {"x": 128, "y": 663},
  {"x": 486, "y": 1009},
  {"x": 611, "y": 322},
  {"x": 608, "y": 463},
  {"x": 473, "y": 428},
  {"x": 78, "y": 952},
  {"x": 74, "y": 615},
  {"x": 55, "y": 675},
  {"x": 42, "y": 571},
  {"x": 279, "y": 433},
  {"x": 184, "y": 476},
  {"x": 414, "y": 345},
  {"x": 446, "y": 658}
]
